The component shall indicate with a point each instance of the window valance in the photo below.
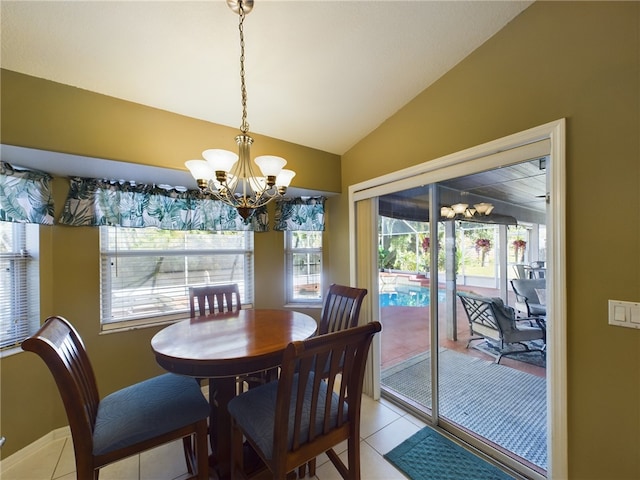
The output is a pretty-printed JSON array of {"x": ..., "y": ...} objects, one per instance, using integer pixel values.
[
  {"x": 300, "y": 214},
  {"x": 94, "y": 202},
  {"x": 25, "y": 195}
]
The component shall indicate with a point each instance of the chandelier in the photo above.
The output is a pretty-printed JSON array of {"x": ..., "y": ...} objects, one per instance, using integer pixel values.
[
  {"x": 462, "y": 210},
  {"x": 230, "y": 177}
]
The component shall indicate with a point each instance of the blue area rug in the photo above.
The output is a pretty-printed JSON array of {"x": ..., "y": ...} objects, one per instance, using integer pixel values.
[{"x": 430, "y": 455}]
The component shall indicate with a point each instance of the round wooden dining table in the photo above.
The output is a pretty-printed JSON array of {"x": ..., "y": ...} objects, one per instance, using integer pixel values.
[{"x": 223, "y": 347}]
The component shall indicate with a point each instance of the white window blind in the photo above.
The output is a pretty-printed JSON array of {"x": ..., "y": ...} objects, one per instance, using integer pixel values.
[
  {"x": 303, "y": 258},
  {"x": 146, "y": 272},
  {"x": 19, "y": 283}
]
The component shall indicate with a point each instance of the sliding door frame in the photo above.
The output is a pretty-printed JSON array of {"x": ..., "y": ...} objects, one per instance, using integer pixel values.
[{"x": 504, "y": 151}]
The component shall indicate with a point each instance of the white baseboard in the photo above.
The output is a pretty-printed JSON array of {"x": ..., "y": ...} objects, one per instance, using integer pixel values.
[{"x": 24, "y": 453}]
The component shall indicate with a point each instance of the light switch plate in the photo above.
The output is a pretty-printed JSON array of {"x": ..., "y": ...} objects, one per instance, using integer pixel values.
[{"x": 624, "y": 314}]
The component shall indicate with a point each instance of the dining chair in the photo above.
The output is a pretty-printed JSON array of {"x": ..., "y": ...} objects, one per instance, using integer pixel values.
[
  {"x": 301, "y": 415},
  {"x": 220, "y": 299},
  {"x": 127, "y": 422},
  {"x": 341, "y": 308}
]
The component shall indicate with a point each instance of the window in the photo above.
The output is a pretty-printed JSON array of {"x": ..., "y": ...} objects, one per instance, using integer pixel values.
[
  {"x": 303, "y": 251},
  {"x": 147, "y": 272},
  {"x": 19, "y": 283}
]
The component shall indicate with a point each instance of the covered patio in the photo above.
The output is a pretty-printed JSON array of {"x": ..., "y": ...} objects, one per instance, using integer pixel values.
[{"x": 503, "y": 404}]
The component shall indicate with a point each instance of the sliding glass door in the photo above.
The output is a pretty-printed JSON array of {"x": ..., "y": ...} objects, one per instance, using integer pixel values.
[
  {"x": 405, "y": 296},
  {"x": 466, "y": 235}
]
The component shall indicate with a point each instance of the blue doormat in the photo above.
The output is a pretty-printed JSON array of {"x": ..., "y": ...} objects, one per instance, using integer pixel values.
[{"x": 430, "y": 455}]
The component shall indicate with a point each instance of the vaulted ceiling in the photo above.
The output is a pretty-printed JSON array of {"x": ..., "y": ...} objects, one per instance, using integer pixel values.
[{"x": 319, "y": 73}]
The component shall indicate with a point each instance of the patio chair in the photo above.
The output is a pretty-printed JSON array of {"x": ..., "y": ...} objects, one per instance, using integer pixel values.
[
  {"x": 490, "y": 319},
  {"x": 124, "y": 423},
  {"x": 530, "y": 296},
  {"x": 520, "y": 270},
  {"x": 302, "y": 415}
]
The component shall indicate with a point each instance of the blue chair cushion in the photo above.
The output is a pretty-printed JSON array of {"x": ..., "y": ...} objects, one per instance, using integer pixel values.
[
  {"x": 254, "y": 411},
  {"x": 147, "y": 409}
]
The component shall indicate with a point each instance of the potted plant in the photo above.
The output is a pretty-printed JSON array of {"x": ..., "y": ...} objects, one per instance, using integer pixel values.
[
  {"x": 483, "y": 245},
  {"x": 519, "y": 246}
]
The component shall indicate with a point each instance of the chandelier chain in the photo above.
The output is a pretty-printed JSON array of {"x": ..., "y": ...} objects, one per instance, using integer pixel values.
[{"x": 244, "y": 127}]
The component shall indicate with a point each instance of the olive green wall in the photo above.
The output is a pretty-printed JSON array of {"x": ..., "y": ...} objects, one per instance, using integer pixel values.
[
  {"x": 579, "y": 61},
  {"x": 50, "y": 116}
]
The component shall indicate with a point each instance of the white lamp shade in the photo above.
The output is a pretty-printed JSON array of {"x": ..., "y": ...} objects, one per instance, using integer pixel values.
[
  {"x": 483, "y": 208},
  {"x": 220, "y": 160},
  {"x": 200, "y": 170},
  {"x": 270, "y": 165},
  {"x": 459, "y": 207},
  {"x": 284, "y": 178}
]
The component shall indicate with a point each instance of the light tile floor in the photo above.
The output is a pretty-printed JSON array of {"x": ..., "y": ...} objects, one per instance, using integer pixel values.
[{"x": 383, "y": 427}]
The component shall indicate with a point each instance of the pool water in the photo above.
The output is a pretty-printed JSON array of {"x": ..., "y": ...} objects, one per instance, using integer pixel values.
[{"x": 413, "y": 297}]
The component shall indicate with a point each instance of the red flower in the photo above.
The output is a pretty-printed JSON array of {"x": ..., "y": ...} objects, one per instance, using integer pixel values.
[
  {"x": 519, "y": 243},
  {"x": 483, "y": 244}
]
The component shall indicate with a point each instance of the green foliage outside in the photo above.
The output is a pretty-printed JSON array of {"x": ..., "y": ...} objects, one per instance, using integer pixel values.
[{"x": 404, "y": 246}]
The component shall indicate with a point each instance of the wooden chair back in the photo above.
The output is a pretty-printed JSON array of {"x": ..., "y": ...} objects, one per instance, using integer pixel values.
[
  {"x": 220, "y": 299},
  {"x": 341, "y": 308},
  {"x": 59, "y": 345},
  {"x": 313, "y": 413}
]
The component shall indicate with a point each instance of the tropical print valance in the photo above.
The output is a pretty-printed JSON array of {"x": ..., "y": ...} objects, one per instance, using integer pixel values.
[
  {"x": 300, "y": 214},
  {"x": 103, "y": 202},
  {"x": 25, "y": 195}
]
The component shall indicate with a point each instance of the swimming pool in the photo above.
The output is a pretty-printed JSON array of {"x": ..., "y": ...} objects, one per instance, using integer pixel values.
[{"x": 409, "y": 297}]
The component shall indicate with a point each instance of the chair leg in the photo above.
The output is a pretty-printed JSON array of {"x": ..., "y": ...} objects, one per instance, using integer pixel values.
[
  {"x": 237, "y": 447},
  {"x": 187, "y": 446},
  {"x": 86, "y": 470},
  {"x": 202, "y": 448},
  {"x": 354, "y": 458},
  {"x": 302, "y": 469}
]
